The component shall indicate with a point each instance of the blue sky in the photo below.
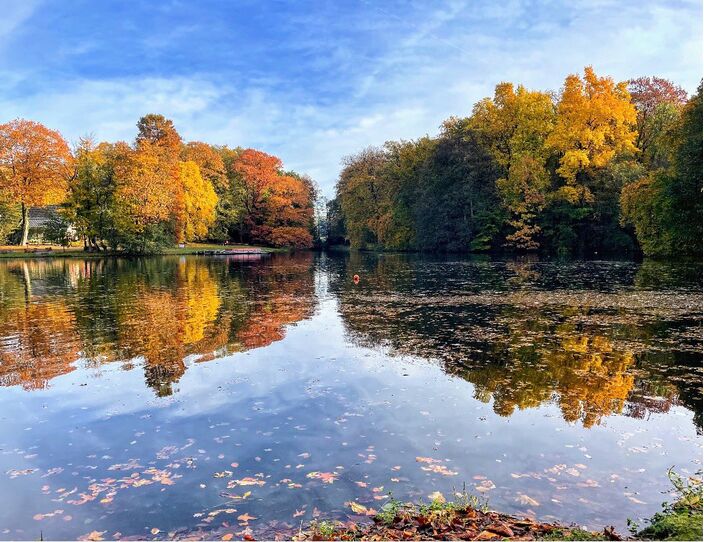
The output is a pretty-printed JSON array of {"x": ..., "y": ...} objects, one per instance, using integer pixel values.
[{"x": 312, "y": 81}]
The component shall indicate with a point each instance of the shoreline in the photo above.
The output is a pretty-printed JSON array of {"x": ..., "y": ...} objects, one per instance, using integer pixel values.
[
  {"x": 47, "y": 251},
  {"x": 469, "y": 518}
]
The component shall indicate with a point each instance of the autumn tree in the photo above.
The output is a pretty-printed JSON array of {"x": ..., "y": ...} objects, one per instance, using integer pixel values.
[
  {"x": 209, "y": 161},
  {"x": 658, "y": 104},
  {"x": 35, "y": 164},
  {"x": 230, "y": 211},
  {"x": 595, "y": 122},
  {"x": 158, "y": 148},
  {"x": 665, "y": 206},
  {"x": 277, "y": 207},
  {"x": 144, "y": 196},
  {"x": 514, "y": 126},
  {"x": 90, "y": 204},
  {"x": 199, "y": 202},
  {"x": 158, "y": 130},
  {"x": 359, "y": 190}
]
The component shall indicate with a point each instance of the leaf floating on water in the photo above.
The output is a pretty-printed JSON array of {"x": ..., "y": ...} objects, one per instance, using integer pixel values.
[
  {"x": 589, "y": 483},
  {"x": 14, "y": 473},
  {"x": 440, "y": 469},
  {"x": 325, "y": 477},
  {"x": 93, "y": 535},
  {"x": 246, "y": 481},
  {"x": 357, "y": 508},
  {"x": 526, "y": 500},
  {"x": 486, "y": 485},
  {"x": 223, "y": 474},
  {"x": 427, "y": 460},
  {"x": 227, "y": 537},
  {"x": 245, "y": 518},
  {"x": 155, "y": 531}
]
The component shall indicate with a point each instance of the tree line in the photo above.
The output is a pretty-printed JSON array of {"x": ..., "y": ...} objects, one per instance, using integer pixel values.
[
  {"x": 598, "y": 168},
  {"x": 152, "y": 193}
]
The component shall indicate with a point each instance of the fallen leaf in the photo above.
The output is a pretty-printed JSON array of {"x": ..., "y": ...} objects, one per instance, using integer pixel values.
[{"x": 357, "y": 508}]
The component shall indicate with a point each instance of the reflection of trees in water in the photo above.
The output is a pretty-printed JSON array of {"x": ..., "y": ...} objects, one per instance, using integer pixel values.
[
  {"x": 31, "y": 331},
  {"x": 520, "y": 352},
  {"x": 38, "y": 343},
  {"x": 162, "y": 310},
  {"x": 587, "y": 379}
]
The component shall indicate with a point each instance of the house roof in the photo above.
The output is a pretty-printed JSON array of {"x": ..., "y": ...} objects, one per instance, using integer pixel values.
[{"x": 39, "y": 216}]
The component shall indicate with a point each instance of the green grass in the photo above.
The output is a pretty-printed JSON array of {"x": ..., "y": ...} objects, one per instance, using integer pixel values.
[
  {"x": 324, "y": 529},
  {"x": 573, "y": 534},
  {"x": 438, "y": 506},
  {"x": 680, "y": 520}
]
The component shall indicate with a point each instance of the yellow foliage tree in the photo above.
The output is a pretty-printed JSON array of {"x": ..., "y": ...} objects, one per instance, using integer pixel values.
[
  {"x": 595, "y": 122},
  {"x": 199, "y": 200},
  {"x": 514, "y": 127},
  {"x": 145, "y": 188}
]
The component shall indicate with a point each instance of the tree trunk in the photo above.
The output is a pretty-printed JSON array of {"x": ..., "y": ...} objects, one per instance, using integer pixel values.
[{"x": 25, "y": 224}]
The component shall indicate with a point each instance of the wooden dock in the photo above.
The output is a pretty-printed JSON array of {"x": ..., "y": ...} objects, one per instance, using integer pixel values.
[{"x": 234, "y": 252}]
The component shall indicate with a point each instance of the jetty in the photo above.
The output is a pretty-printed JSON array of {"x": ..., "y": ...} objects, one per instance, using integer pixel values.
[{"x": 254, "y": 251}]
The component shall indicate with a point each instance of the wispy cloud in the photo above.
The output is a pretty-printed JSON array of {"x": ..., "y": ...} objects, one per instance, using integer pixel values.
[{"x": 314, "y": 81}]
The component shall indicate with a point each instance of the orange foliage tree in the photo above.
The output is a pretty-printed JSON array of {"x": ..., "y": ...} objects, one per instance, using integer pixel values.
[
  {"x": 278, "y": 206},
  {"x": 35, "y": 164}
]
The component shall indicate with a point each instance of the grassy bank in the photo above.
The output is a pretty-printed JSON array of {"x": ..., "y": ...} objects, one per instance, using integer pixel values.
[
  {"x": 76, "y": 251},
  {"x": 679, "y": 520},
  {"x": 467, "y": 518}
]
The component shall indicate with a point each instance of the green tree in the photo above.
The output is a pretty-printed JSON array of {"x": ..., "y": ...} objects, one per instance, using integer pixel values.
[
  {"x": 90, "y": 204},
  {"x": 665, "y": 206},
  {"x": 359, "y": 190}
]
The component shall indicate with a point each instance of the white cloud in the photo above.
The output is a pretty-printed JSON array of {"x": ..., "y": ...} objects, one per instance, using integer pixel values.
[{"x": 428, "y": 65}]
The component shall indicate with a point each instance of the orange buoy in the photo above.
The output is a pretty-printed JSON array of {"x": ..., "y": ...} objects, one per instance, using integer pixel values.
[{"x": 356, "y": 279}]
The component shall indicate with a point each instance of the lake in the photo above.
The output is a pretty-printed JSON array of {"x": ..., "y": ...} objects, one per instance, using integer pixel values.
[{"x": 196, "y": 397}]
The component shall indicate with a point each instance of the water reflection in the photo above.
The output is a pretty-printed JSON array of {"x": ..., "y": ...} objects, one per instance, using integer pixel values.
[
  {"x": 595, "y": 339},
  {"x": 159, "y": 312},
  {"x": 571, "y": 387}
]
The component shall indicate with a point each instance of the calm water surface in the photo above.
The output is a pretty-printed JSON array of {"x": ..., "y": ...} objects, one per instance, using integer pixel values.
[{"x": 196, "y": 397}]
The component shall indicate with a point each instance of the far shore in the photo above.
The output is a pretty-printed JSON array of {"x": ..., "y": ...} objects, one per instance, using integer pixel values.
[{"x": 77, "y": 251}]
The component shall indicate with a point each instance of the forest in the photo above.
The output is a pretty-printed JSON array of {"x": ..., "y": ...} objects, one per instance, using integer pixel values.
[
  {"x": 600, "y": 168},
  {"x": 140, "y": 197}
]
